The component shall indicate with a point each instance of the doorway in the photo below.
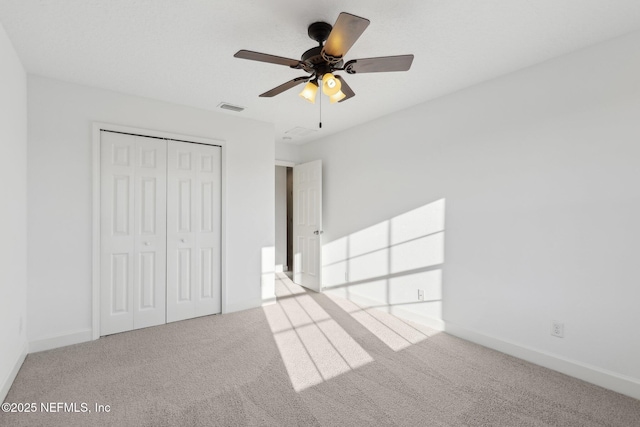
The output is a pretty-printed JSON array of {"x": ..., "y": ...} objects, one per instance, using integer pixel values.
[
  {"x": 284, "y": 219},
  {"x": 298, "y": 217}
]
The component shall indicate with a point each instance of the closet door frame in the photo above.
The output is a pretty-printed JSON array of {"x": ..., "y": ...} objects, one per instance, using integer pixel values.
[{"x": 96, "y": 209}]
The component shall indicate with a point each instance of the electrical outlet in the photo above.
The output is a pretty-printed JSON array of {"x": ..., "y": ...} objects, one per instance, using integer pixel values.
[
  {"x": 420, "y": 295},
  {"x": 557, "y": 329}
]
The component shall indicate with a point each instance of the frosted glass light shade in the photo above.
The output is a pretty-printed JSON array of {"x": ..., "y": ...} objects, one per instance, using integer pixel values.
[
  {"x": 309, "y": 92},
  {"x": 330, "y": 85},
  {"x": 337, "y": 97}
]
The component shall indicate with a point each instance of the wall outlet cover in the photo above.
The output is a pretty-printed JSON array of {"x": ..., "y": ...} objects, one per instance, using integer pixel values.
[{"x": 557, "y": 329}]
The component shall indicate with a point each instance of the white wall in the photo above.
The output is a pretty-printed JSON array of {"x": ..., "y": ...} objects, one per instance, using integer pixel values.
[
  {"x": 287, "y": 152},
  {"x": 13, "y": 213},
  {"x": 281, "y": 218},
  {"x": 537, "y": 176},
  {"x": 60, "y": 198}
]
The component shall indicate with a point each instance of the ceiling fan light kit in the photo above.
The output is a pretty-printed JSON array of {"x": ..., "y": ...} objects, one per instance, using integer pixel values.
[{"x": 323, "y": 60}]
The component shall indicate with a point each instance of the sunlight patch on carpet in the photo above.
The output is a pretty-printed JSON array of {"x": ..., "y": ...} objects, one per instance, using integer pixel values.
[
  {"x": 392, "y": 331},
  {"x": 314, "y": 348}
]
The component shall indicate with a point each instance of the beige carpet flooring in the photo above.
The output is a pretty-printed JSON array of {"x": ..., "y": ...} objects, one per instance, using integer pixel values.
[{"x": 309, "y": 360}]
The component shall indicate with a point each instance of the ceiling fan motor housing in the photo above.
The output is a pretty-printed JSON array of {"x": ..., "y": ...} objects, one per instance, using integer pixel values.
[{"x": 316, "y": 62}]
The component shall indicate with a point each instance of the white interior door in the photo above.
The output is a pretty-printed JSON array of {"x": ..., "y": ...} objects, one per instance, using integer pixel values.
[
  {"x": 193, "y": 230},
  {"x": 132, "y": 232},
  {"x": 307, "y": 225}
]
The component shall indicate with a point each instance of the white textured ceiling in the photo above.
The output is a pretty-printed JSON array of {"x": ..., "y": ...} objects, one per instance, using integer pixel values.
[{"x": 181, "y": 51}]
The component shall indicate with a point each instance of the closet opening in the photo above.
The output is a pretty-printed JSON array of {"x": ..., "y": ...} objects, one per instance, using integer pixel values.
[{"x": 158, "y": 240}]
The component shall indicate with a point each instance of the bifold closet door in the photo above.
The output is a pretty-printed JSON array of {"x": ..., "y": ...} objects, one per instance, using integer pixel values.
[
  {"x": 193, "y": 230},
  {"x": 132, "y": 232}
]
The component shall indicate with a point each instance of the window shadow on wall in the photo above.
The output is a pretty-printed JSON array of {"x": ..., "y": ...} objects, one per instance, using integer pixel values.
[{"x": 395, "y": 265}]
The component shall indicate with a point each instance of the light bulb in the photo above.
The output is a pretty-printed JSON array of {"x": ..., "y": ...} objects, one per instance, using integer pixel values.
[{"x": 330, "y": 85}]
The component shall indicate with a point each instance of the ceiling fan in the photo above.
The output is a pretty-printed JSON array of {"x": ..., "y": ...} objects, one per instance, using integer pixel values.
[{"x": 322, "y": 61}]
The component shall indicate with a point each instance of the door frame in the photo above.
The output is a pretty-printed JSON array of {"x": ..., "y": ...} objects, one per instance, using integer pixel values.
[{"x": 96, "y": 207}]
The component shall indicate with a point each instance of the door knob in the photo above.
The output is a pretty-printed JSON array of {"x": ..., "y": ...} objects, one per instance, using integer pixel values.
[
  {"x": 318, "y": 232},
  {"x": 183, "y": 240},
  {"x": 147, "y": 243}
]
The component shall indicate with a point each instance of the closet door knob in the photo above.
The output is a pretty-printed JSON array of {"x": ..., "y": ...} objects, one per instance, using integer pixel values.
[
  {"x": 147, "y": 243},
  {"x": 183, "y": 240}
]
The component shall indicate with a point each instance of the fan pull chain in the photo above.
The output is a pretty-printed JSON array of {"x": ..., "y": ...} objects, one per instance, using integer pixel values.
[{"x": 320, "y": 124}]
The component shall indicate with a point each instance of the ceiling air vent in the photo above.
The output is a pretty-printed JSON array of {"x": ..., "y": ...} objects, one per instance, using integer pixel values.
[
  {"x": 231, "y": 107},
  {"x": 299, "y": 131}
]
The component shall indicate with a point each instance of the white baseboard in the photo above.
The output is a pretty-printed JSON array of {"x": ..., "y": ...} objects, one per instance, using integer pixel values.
[
  {"x": 592, "y": 374},
  {"x": 437, "y": 324},
  {"x": 245, "y": 305},
  {"x": 60, "y": 340},
  {"x": 8, "y": 381},
  {"x": 269, "y": 301},
  {"x": 396, "y": 310},
  {"x": 620, "y": 383}
]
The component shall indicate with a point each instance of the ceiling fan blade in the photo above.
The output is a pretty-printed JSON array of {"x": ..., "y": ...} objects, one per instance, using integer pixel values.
[
  {"x": 347, "y": 29},
  {"x": 377, "y": 65},
  {"x": 345, "y": 89},
  {"x": 285, "y": 86},
  {"x": 263, "y": 57}
]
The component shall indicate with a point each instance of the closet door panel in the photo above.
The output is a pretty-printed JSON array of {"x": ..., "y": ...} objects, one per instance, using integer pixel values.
[
  {"x": 132, "y": 232},
  {"x": 150, "y": 233},
  {"x": 116, "y": 233},
  {"x": 208, "y": 299},
  {"x": 180, "y": 232},
  {"x": 193, "y": 231}
]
